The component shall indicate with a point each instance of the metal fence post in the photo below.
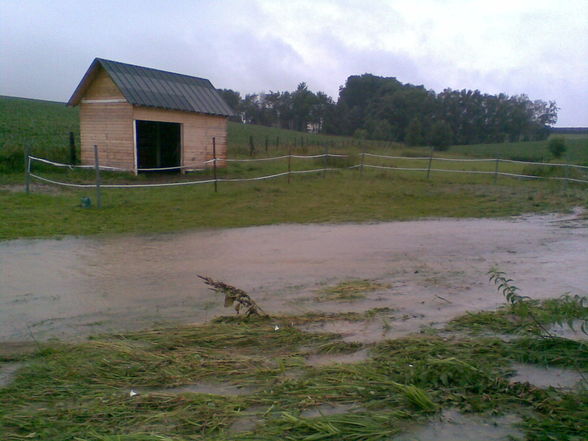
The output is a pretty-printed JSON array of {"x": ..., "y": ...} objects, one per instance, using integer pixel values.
[
  {"x": 361, "y": 163},
  {"x": 27, "y": 165},
  {"x": 496, "y": 171},
  {"x": 430, "y": 161},
  {"x": 214, "y": 164},
  {"x": 97, "y": 167}
]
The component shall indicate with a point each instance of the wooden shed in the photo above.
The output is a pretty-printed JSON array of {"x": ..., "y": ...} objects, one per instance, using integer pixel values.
[{"x": 142, "y": 118}]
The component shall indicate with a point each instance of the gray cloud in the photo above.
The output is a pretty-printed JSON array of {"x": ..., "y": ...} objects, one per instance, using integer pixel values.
[{"x": 533, "y": 47}]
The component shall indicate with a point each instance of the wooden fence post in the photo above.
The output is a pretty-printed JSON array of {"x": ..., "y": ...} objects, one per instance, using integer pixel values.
[
  {"x": 98, "y": 183},
  {"x": 326, "y": 160},
  {"x": 430, "y": 161},
  {"x": 567, "y": 174},
  {"x": 27, "y": 166},
  {"x": 251, "y": 146},
  {"x": 289, "y": 163},
  {"x": 496, "y": 171},
  {"x": 72, "y": 149},
  {"x": 214, "y": 164}
]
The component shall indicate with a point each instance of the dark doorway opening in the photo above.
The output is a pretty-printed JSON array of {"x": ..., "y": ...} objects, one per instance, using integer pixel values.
[{"x": 159, "y": 144}]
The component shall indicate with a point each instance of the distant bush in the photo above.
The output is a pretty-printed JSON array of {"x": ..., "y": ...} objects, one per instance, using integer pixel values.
[{"x": 557, "y": 147}]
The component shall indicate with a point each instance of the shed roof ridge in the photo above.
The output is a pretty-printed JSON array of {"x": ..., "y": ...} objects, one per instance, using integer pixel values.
[
  {"x": 145, "y": 86},
  {"x": 136, "y": 66}
]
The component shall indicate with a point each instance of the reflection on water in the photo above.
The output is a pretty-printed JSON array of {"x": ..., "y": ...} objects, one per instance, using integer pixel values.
[{"x": 78, "y": 286}]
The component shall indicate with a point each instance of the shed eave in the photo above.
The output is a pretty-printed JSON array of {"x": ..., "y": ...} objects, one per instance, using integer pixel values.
[{"x": 84, "y": 84}]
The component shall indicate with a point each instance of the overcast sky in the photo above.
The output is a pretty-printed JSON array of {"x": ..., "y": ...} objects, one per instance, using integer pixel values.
[{"x": 535, "y": 47}]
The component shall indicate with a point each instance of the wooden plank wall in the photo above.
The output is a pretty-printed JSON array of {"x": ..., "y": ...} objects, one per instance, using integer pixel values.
[
  {"x": 107, "y": 125},
  {"x": 110, "y": 127}
]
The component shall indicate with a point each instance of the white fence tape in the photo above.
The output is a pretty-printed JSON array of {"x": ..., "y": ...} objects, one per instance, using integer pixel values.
[
  {"x": 167, "y": 184},
  {"x": 293, "y": 172},
  {"x": 548, "y": 164},
  {"x": 178, "y": 167},
  {"x": 408, "y": 158},
  {"x": 463, "y": 160},
  {"x": 260, "y": 178},
  {"x": 72, "y": 166},
  {"x": 252, "y": 160},
  {"x": 66, "y": 184},
  {"x": 395, "y": 157},
  {"x": 382, "y": 167}
]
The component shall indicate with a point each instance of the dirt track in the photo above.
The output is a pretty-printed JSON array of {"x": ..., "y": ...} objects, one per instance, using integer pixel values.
[{"x": 436, "y": 269}]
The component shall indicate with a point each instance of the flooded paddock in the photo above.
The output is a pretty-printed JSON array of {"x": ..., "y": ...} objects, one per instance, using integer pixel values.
[{"x": 433, "y": 270}]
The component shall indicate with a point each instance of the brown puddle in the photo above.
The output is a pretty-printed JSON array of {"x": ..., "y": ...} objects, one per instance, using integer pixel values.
[
  {"x": 452, "y": 425},
  {"x": 436, "y": 270},
  {"x": 338, "y": 358},
  {"x": 225, "y": 389},
  {"x": 544, "y": 377}
]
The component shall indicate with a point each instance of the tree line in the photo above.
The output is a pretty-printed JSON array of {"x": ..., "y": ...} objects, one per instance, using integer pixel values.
[{"x": 383, "y": 108}]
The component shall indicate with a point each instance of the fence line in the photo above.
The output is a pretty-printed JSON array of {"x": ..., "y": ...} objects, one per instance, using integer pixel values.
[
  {"x": 409, "y": 158},
  {"x": 98, "y": 184}
]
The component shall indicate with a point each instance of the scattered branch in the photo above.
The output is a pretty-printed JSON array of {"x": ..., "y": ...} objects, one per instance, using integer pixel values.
[{"x": 234, "y": 297}]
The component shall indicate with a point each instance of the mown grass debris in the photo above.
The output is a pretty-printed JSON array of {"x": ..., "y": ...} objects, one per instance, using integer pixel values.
[
  {"x": 349, "y": 290},
  {"x": 81, "y": 391}
]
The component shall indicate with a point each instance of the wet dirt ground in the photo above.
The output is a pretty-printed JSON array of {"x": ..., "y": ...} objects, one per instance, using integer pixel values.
[{"x": 435, "y": 269}]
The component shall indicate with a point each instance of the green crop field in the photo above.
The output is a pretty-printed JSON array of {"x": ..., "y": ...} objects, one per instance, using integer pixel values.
[
  {"x": 46, "y": 125},
  {"x": 577, "y": 150}
]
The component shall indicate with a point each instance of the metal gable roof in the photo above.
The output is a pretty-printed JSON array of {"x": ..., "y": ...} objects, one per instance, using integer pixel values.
[{"x": 142, "y": 86}]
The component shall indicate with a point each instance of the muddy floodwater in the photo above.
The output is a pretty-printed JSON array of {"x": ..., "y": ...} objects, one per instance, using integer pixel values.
[{"x": 433, "y": 271}]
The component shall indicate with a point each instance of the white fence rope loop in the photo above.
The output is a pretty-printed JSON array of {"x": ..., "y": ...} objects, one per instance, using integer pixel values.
[{"x": 293, "y": 172}]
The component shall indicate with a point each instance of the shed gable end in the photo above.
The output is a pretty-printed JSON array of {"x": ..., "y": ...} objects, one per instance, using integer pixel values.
[{"x": 102, "y": 88}]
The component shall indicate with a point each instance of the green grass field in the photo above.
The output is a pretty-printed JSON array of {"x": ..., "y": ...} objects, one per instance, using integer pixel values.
[{"x": 343, "y": 196}]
